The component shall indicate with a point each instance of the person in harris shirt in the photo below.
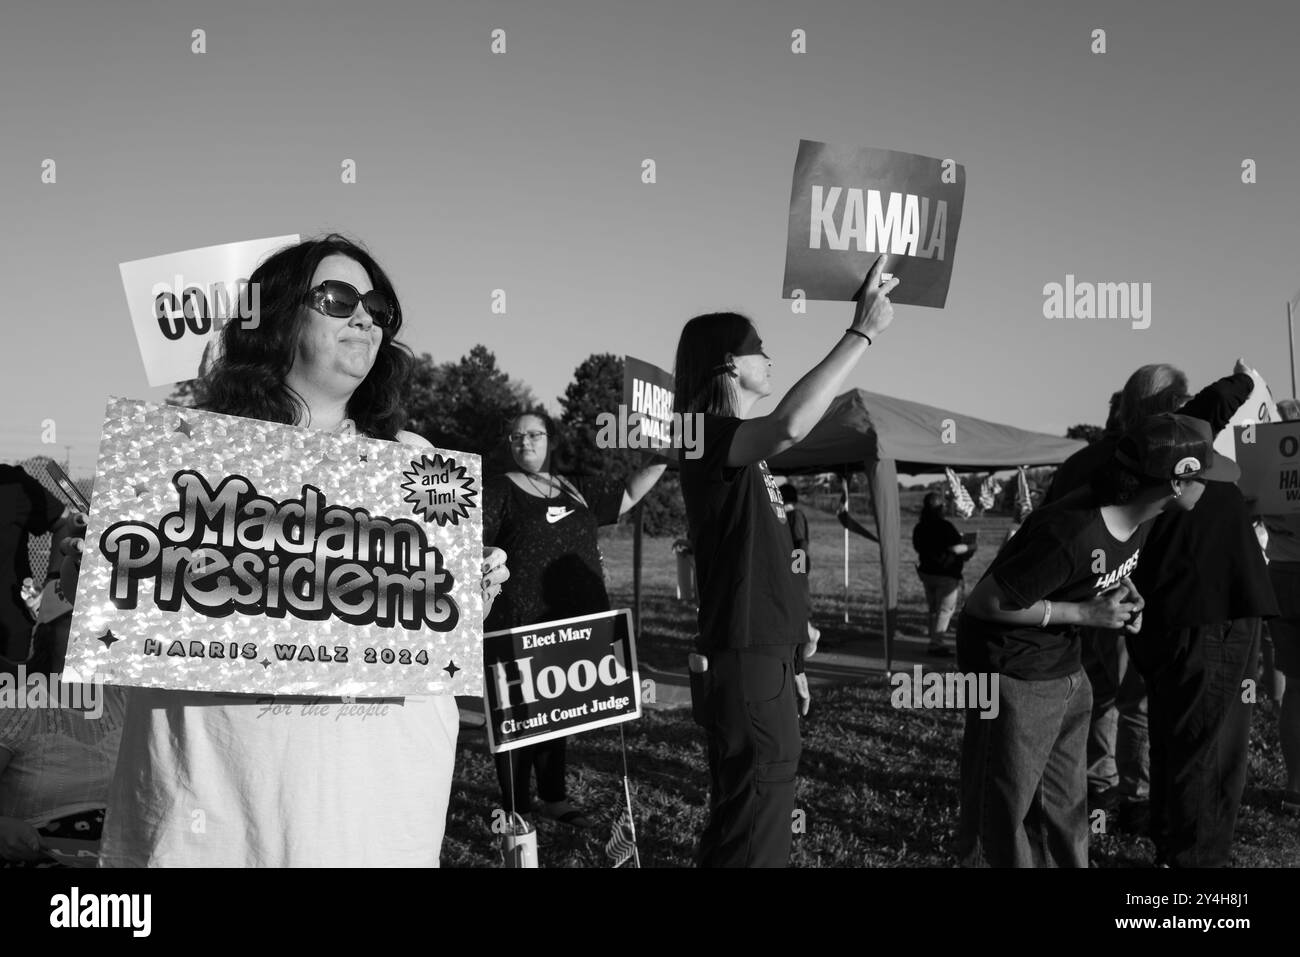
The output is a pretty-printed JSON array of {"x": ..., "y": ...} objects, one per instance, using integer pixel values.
[{"x": 1023, "y": 767}]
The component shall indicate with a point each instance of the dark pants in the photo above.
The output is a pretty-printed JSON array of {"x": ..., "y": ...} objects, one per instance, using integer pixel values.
[
  {"x": 1024, "y": 792},
  {"x": 547, "y": 758},
  {"x": 1118, "y": 753},
  {"x": 1200, "y": 730},
  {"x": 746, "y": 704}
]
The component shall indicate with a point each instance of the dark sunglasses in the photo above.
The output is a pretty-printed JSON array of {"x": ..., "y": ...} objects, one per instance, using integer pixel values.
[{"x": 339, "y": 300}]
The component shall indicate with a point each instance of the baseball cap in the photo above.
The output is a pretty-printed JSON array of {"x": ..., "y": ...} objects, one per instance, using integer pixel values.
[{"x": 1172, "y": 446}]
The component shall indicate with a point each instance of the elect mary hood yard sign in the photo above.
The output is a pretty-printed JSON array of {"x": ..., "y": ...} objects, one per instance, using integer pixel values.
[{"x": 551, "y": 679}]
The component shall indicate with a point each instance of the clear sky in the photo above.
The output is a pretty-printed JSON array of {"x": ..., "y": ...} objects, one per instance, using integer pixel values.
[{"x": 522, "y": 172}]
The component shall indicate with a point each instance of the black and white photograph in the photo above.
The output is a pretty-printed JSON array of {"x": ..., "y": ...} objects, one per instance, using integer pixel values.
[{"x": 605, "y": 435}]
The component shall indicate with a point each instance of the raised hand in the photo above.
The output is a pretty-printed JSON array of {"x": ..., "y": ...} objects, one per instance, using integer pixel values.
[{"x": 875, "y": 312}]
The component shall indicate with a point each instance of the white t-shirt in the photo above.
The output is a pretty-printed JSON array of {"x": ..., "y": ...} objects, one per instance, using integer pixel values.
[
  {"x": 212, "y": 780},
  {"x": 219, "y": 780}
]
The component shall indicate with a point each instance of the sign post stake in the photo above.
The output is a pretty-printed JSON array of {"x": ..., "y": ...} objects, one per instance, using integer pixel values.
[
  {"x": 1290, "y": 337},
  {"x": 636, "y": 568}
]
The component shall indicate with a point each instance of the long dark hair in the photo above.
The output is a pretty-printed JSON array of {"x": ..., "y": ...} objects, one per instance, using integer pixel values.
[
  {"x": 248, "y": 378},
  {"x": 700, "y": 370}
]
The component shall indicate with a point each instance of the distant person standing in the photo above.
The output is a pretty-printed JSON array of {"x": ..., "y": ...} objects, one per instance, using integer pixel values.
[
  {"x": 1284, "y": 571},
  {"x": 26, "y": 509},
  {"x": 941, "y": 558},
  {"x": 801, "y": 556}
]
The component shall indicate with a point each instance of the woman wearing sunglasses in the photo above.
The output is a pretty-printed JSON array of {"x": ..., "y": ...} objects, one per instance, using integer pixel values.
[
  {"x": 216, "y": 779},
  {"x": 548, "y": 525},
  {"x": 745, "y": 675}
]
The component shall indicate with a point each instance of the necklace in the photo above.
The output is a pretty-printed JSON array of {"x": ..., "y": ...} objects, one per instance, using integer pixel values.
[{"x": 546, "y": 493}]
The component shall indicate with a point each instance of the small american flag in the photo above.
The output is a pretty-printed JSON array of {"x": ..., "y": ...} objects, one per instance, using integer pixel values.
[
  {"x": 989, "y": 490},
  {"x": 622, "y": 843},
  {"x": 961, "y": 499},
  {"x": 1024, "y": 501}
]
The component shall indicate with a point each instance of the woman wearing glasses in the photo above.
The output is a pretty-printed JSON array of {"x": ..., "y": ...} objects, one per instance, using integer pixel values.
[
  {"x": 220, "y": 780},
  {"x": 548, "y": 525},
  {"x": 746, "y": 674}
]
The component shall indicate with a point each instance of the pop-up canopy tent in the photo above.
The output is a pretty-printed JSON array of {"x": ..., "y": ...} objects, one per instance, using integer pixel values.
[{"x": 882, "y": 436}]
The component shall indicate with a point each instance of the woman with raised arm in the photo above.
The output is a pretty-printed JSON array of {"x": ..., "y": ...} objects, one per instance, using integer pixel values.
[{"x": 746, "y": 674}]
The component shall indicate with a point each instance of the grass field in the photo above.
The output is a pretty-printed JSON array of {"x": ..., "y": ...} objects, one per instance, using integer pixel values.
[{"x": 878, "y": 786}]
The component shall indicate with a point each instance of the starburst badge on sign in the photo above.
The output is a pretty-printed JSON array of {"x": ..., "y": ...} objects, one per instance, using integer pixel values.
[{"x": 439, "y": 490}]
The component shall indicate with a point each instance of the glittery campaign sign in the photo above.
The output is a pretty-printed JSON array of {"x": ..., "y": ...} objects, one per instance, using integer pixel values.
[{"x": 231, "y": 554}]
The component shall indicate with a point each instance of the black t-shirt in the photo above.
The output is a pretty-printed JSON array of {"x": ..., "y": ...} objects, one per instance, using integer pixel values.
[
  {"x": 1079, "y": 468},
  {"x": 552, "y": 550},
  {"x": 798, "y": 523},
  {"x": 933, "y": 540},
  {"x": 1062, "y": 552},
  {"x": 1204, "y": 566},
  {"x": 26, "y": 508},
  {"x": 750, "y": 594}
]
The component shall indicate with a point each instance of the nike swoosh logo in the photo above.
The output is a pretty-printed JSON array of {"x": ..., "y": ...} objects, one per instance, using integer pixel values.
[{"x": 553, "y": 514}]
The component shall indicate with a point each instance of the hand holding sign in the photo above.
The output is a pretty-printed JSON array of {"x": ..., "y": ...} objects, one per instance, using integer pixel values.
[
  {"x": 874, "y": 312},
  {"x": 1259, "y": 408},
  {"x": 19, "y": 841},
  {"x": 495, "y": 575}
]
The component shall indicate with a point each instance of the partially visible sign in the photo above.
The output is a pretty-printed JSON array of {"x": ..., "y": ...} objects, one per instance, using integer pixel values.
[
  {"x": 849, "y": 204},
  {"x": 1259, "y": 407},
  {"x": 179, "y": 302},
  {"x": 552, "y": 679},
  {"x": 70, "y": 852},
  {"x": 648, "y": 401},
  {"x": 1269, "y": 457}
]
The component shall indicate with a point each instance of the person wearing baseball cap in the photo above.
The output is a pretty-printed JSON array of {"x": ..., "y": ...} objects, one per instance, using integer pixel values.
[
  {"x": 1024, "y": 784},
  {"x": 1119, "y": 758},
  {"x": 1175, "y": 447},
  {"x": 1207, "y": 590}
]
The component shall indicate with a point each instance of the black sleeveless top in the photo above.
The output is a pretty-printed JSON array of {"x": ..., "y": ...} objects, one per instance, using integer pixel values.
[{"x": 552, "y": 548}]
